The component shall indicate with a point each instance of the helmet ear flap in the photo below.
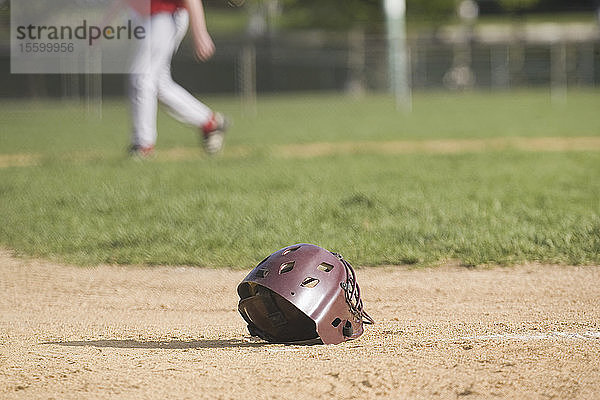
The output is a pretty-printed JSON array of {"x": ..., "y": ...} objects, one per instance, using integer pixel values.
[{"x": 273, "y": 318}]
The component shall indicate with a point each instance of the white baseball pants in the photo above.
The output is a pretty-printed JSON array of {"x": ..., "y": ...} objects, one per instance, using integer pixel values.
[{"x": 150, "y": 79}]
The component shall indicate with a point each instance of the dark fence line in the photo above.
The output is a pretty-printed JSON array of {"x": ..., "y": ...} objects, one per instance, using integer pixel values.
[{"x": 352, "y": 62}]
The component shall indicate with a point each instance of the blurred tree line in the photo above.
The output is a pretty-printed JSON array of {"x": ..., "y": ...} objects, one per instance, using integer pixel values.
[{"x": 336, "y": 14}]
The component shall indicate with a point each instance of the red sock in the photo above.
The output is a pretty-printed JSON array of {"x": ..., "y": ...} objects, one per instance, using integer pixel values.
[{"x": 210, "y": 125}]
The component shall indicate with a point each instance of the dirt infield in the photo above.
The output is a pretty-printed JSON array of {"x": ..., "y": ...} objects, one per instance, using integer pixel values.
[
  {"x": 174, "y": 332},
  {"x": 309, "y": 150}
]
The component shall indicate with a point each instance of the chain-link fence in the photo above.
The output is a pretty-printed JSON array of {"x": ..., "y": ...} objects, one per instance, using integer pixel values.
[{"x": 452, "y": 58}]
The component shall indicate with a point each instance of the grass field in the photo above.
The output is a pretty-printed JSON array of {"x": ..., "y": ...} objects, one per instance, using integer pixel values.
[
  {"x": 77, "y": 198},
  {"x": 464, "y": 180}
]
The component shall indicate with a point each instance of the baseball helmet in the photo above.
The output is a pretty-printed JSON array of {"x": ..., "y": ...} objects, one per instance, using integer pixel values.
[{"x": 303, "y": 294}]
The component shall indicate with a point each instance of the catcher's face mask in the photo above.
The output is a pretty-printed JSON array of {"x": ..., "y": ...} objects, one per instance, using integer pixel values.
[{"x": 303, "y": 294}]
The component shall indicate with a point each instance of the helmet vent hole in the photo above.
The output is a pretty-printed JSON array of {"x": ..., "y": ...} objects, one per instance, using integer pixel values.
[
  {"x": 336, "y": 322},
  {"x": 309, "y": 282},
  {"x": 347, "y": 330},
  {"x": 290, "y": 249},
  {"x": 325, "y": 267},
  {"x": 287, "y": 267},
  {"x": 262, "y": 273}
]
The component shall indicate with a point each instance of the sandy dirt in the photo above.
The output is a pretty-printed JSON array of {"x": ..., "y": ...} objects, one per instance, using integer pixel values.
[
  {"x": 70, "y": 332},
  {"x": 321, "y": 149}
]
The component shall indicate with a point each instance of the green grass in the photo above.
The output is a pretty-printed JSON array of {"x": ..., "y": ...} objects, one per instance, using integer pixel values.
[
  {"x": 57, "y": 127},
  {"x": 483, "y": 207}
]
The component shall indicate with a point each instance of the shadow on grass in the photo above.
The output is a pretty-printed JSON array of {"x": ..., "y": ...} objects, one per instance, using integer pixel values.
[{"x": 163, "y": 344}]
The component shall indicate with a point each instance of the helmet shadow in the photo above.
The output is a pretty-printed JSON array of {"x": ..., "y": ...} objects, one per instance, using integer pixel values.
[{"x": 161, "y": 344}]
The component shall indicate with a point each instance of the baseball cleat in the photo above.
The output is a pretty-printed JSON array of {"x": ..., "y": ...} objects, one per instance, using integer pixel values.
[
  {"x": 139, "y": 152},
  {"x": 213, "y": 133}
]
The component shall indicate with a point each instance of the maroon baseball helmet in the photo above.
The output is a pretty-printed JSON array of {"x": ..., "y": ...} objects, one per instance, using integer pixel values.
[{"x": 303, "y": 294}]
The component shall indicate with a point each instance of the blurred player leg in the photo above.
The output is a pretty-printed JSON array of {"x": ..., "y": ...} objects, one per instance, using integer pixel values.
[
  {"x": 152, "y": 81},
  {"x": 180, "y": 103},
  {"x": 146, "y": 70}
]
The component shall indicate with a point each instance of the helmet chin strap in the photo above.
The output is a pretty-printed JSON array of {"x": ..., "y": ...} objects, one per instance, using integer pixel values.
[{"x": 352, "y": 293}]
